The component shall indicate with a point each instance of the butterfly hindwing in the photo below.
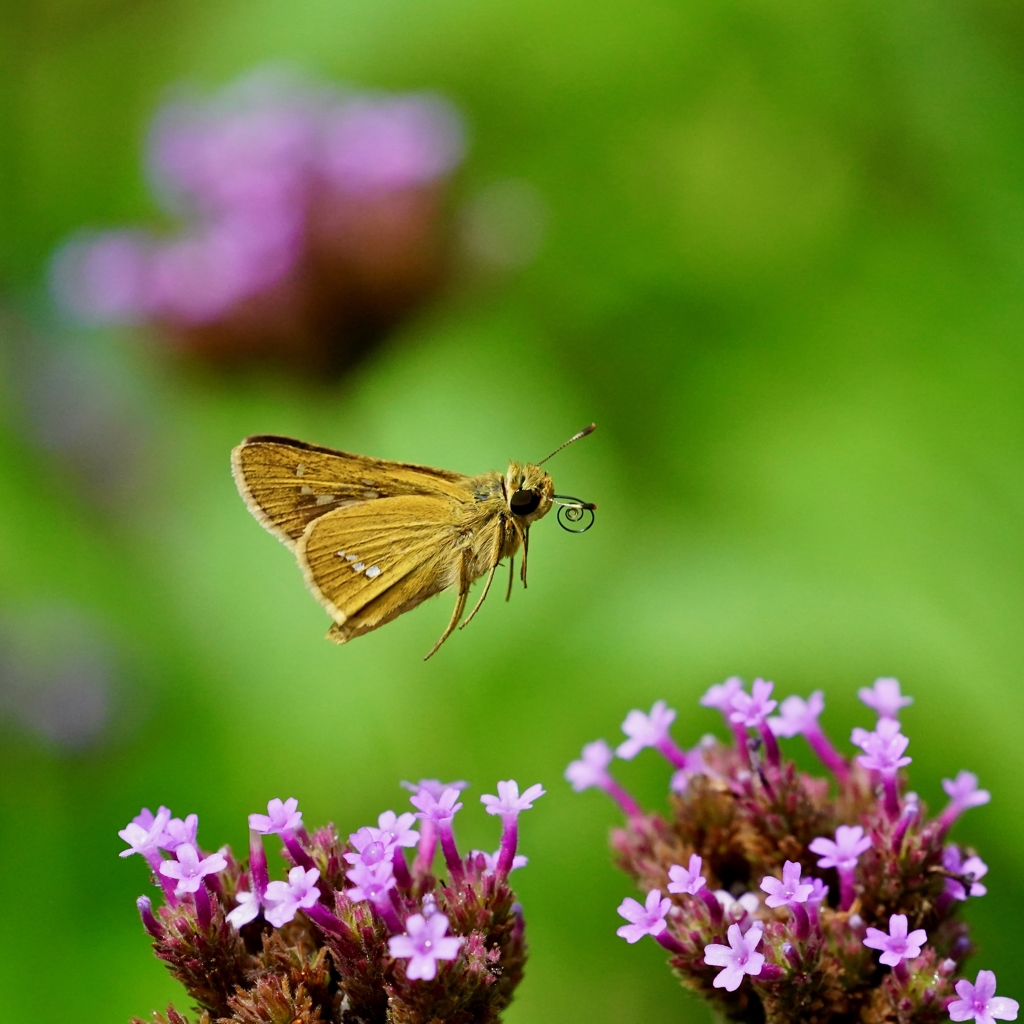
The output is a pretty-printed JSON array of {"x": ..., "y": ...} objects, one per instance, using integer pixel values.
[
  {"x": 370, "y": 562},
  {"x": 289, "y": 484}
]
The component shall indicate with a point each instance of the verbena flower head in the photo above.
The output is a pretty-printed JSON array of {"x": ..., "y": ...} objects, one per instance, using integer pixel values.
[
  {"x": 979, "y": 1002},
  {"x": 797, "y": 898},
  {"x": 299, "y": 208},
  {"x": 354, "y": 932},
  {"x": 885, "y": 698}
]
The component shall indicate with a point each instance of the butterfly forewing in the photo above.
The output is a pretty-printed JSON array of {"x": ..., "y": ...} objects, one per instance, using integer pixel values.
[
  {"x": 289, "y": 484},
  {"x": 372, "y": 561}
]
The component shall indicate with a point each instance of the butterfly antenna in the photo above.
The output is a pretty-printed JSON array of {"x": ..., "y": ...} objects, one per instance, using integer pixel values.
[{"x": 575, "y": 437}]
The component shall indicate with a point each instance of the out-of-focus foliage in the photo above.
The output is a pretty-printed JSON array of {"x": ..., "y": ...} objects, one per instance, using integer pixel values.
[{"x": 782, "y": 269}]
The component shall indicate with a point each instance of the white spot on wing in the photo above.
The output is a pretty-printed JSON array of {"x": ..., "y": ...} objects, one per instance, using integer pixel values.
[
  {"x": 306, "y": 489},
  {"x": 358, "y": 567},
  {"x": 324, "y": 499},
  {"x": 351, "y": 558},
  {"x": 373, "y": 571},
  {"x": 341, "y": 554},
  {"x": 300, "y": 469}
]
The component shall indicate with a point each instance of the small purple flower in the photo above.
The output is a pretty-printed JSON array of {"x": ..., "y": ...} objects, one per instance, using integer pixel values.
[
  {"x": 508, "y": 802},
  {"x": 973, "y": 868},
  {"x": 424, "y": 943},
  {"x": 592, "y": 769},
  {"x": 436, "y": 809},
  {"x": 178, "y": 832},
  {"x": 382, "y": 144},
  {"x": 738, "y": 958},
  {"x": 400, "y": 827},
  {"x": 369, "y": 850},
  {"x": 884, "y": 698},
  {"x": 819, "y": 890},
  {"x": 370, "y": 881},
  {"x": 789, "y": 891},
  {"x": 738, "y": 908},
  {"x": 189, "y": 871},
  {"x": 437, "y": 813},
  {"x": 280, "y": 817},
  {"x": 248, "y": 908},
  {"x": 797, "y": 715},
  {"x": 491, "y": 859},
  {"x": 842, "y": 854},
  {"x": 963, "y": 790},
  {"x": 800, "y": 717},
  {"x": 285, "y": 899},
  {"x": 145, "y": 834},
  {"x": 645, "y": 730},
  {"x": 897, "y": 945},
  {"x": 648, "y": 919},
  {"x": 752, "y": 709},
  {"x": 963, "y": 794},
  {"x": 687, "y": 880},
  {"x": 434, "y": 787},
  {"x": 720, "y": 695},
  {"x": 979, "y": 1002},
  {"x": 883, "y": 752}
]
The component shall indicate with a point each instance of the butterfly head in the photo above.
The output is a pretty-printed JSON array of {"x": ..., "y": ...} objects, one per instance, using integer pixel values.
[{"x": 528, "y": 491}]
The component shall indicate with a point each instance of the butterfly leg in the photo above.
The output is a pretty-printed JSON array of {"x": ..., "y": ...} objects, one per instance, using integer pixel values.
[
  {"x": 495, "y": 560},
  {"x": 460, "y": 607},
  {"x": 476, "y": 607},
  {"x": 511, "y": 576},
  {"x": 526, "y": 548}
]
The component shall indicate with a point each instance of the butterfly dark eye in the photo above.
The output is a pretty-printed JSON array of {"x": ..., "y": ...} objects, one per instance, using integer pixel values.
[{"x": 524, "y": 502}]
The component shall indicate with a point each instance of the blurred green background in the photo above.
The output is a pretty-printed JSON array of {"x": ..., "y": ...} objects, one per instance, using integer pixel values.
[{"x": 783, "y": 272}]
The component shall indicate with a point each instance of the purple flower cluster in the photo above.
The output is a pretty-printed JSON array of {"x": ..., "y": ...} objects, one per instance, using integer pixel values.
[
  {"x": 282, "y": 189},
  {"x": 354, "y": 933},
  {"x": 790, "y": 897}
]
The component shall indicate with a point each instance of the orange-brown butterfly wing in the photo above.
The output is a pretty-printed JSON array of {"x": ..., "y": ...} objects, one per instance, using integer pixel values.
[
  {"x": 369, "y": 563},
  {"x": 288, "y": 484}
]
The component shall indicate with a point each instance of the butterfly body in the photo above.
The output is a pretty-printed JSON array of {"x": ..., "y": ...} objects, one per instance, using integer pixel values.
[{"x": 376, "y": 538}]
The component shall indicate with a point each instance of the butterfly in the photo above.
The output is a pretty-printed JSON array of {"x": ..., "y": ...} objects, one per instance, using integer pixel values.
[{"x": 376, "y": 538}]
